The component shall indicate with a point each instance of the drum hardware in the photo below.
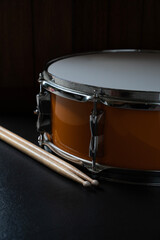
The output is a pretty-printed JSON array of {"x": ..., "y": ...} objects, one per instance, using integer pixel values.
[
  {"x": 72, "y": 158},
  {"x": 43, "y": 127},
  {"x": 40, "y": 139},
  {"x": 128, "y": 104},
  {"x": 40, "y": 79},
  {"x": 94, "y": 138},
  {"x": 43, "y": 98},
  {"x": 65, "y": 92},
  {"x": 111, "y": 97},
  {"x": 43, "y": 109},
  {"x": 93, "y": 147},
  {"x": 131, "y": 176},
  {"x": 113, "y": 174},
  {"x": 46, "y": 143},
  {"x": 122, "y": 127}
]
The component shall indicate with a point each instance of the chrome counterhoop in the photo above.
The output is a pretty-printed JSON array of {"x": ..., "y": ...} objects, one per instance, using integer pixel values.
[
  {"x": 126, "y": 99},
  {"x": 80, "y": 161},
  {"x": 65, "y": 92},
  {"x": 109, "y": 173}
]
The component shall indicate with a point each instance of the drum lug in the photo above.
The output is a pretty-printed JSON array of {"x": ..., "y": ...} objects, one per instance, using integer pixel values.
[
  {"x": 97, "y": 132},
  {"x": 93, "y": 147},
  {"x": 94, "y": 139},
  {"x": 43, "y": 110}
]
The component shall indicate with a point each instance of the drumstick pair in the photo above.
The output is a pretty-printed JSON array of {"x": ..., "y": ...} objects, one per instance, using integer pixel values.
[{"x": 51, "y": 161}]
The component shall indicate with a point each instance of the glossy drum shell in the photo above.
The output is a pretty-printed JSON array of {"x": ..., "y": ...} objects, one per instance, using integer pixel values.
[{"x": 128, "y": 138}]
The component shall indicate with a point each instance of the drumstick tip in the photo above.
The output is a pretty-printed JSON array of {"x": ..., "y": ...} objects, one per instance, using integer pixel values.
[
  {"x": 95, "y": 182},
  {"x": 86, "y": 184}
]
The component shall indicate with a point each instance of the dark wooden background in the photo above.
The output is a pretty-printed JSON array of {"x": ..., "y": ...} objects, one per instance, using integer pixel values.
[{"x": 33, "y": 32}]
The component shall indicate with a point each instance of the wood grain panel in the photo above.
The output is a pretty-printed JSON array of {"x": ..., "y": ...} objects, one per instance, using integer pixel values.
[
  {"x": 90, "y": 21},
  {"x": 125, "y": 24},
  {"x": 52, "y": 30},
  {"x": 151, "y": 23},
  {"x": 16, "y": 61},
  {"x": 15, "y": 43}
]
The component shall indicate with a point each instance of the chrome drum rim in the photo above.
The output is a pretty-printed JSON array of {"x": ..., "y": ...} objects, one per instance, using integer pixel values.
[{"x": 126, "y": 99}]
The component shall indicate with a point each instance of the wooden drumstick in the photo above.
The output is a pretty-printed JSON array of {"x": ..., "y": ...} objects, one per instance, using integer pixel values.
[
  {"x": 72, "y": 168},
  {"x": 50, "y": 156},
  {"x": 42, "y": 159}
]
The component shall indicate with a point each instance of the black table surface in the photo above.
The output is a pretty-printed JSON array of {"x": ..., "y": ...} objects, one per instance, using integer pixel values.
[{"x": 36, "y": 203}]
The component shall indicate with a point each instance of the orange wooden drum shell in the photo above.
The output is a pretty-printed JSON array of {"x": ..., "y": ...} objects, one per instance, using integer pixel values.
[{"x": 127, "y": 138}]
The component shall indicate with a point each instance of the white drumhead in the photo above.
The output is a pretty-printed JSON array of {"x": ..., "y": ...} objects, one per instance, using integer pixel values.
[{"x": 139, "y": 71}]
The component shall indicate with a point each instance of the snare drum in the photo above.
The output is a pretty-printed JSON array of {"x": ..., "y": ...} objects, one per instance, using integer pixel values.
[{"x": 102, "y": 109}]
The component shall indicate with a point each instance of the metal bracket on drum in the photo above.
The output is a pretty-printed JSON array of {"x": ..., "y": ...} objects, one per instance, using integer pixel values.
[
  {"x": 44, "y": 141},
  {"x": 97, "y": 132},
  {"x": 126, "y": 99},
  {"x": 93, "y": 141},
  {"x": 43, "y": 110},
  {"x": 93, "y": 127},
  {"x": 50, "y": 85}
]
